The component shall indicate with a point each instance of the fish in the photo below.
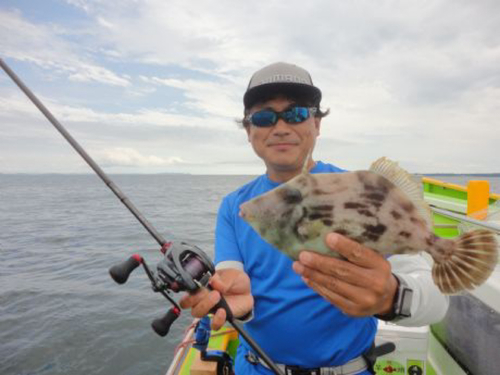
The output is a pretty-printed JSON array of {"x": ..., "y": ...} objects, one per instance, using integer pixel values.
[{"x": 382, "y": 208}]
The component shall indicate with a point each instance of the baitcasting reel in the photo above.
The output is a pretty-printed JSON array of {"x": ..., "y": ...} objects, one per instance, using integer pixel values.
[{"x": 184, "y": 267}]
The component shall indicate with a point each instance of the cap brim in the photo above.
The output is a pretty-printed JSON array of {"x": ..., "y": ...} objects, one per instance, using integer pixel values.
[{"x": 253, "y": 95}]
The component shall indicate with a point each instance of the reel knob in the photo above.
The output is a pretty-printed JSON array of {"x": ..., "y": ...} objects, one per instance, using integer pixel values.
[
  {"x": 121, "y": 271},
  {"x": 162, "y": 325}
]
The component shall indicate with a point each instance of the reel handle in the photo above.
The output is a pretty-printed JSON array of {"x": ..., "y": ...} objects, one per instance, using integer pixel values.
[
  {"x": 162, "y": 325},
  {"x": 121, "y": 271}
]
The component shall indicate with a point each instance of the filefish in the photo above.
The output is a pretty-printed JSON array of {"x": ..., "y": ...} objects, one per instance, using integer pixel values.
[{"x": 381, "y": 208}]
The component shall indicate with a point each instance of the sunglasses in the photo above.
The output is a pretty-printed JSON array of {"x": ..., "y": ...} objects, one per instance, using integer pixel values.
[{"x": 269, "y": 117}]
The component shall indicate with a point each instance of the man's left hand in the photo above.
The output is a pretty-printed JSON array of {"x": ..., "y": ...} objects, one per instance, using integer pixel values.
[{"x": 359, "y": 285}]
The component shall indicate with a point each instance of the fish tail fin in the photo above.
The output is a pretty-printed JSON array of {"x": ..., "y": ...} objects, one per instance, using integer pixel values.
[{"x": 465, "y": 263}]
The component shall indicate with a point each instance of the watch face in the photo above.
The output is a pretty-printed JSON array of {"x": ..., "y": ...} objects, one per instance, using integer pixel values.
[{"x": 405, "y": 302}]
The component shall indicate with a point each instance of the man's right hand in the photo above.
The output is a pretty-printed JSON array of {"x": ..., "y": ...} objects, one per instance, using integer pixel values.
[{"x": 233, "y": 284}]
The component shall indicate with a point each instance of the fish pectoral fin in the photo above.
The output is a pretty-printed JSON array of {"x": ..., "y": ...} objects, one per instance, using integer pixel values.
[
  {"x": 302, "y": 230},
  {"x": 310, "y": 229}
]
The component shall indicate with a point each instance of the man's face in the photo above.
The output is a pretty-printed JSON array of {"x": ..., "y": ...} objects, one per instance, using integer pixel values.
[{"x": 283, "y": 147}]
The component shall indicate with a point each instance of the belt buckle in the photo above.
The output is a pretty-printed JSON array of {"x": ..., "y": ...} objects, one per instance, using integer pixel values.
[
  {"x": 252, "y": 358},
  {"x": 296, "y": 370}
]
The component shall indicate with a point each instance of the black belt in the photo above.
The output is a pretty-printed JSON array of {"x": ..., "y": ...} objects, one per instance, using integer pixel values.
[{"x": 354, "y": 366}]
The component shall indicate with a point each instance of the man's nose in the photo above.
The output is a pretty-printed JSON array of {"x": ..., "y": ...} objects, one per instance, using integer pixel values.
[{"x": 281, "y": 127}]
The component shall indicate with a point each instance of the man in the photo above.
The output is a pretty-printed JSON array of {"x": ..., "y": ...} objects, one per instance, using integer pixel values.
[{"x": 317, "y": 312}]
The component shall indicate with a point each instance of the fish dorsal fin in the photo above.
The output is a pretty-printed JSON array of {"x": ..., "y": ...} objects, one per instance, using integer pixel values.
[
  {"x": 403, "y": 181},
  {"x": 305, "y": 170}
]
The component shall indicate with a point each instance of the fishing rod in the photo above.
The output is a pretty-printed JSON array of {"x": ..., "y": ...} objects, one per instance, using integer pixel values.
[{"x": 184, "y": 267}]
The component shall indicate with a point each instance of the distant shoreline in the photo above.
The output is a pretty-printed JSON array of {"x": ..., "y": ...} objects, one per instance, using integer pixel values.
[
  {"x": 221, "y": 174},
  {"x": 460, "y": 174}
]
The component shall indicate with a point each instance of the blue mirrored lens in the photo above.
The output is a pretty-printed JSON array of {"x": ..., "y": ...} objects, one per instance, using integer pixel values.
[
  {"x": 264, "y": 118},
  {"x": 296, "y": 115}
]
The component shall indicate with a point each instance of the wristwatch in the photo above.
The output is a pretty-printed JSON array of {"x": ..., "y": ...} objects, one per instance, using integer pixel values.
[{"x": 401, "y": 307}]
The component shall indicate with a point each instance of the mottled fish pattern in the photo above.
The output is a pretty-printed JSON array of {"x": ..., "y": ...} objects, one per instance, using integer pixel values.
[{"x": 381, "y": 208}]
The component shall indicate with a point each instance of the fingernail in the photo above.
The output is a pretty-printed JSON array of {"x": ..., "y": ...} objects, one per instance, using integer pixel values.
[
  {"x": 305, "y": 257},
  {"x": 214, "y": 296},
  {"x": 332, "y": 239},
  {"x": 298, "y": 268}
]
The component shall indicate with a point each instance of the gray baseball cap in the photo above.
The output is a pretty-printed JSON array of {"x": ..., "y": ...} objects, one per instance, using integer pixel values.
[{"x": 281, "y": 78}]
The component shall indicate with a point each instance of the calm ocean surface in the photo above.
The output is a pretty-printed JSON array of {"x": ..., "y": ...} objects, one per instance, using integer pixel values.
[{"x": 60, "y": 312}]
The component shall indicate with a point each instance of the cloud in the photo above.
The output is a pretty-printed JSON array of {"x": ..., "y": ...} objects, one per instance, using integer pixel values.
[
  {"x": 415, "y": 81},
  {"x": 171, "y": 31},
  {"x": 213, "y": 98},
  {"x": 128, "y": 157},
  {"x": 14, "y": 104},
  {"x": 388, "y": 55},
  {"x": 47, "y": 47},
  {"x": 88, "y": 73}
]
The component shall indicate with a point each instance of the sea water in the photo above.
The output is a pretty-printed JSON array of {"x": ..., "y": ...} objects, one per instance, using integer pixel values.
[{"x": 60, "y": 312}]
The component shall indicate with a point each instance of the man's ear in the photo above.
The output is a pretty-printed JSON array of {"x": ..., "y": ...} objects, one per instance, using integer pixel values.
[
  {"x": 317, "y": 124},
  {"x": 247, "y": 129}
]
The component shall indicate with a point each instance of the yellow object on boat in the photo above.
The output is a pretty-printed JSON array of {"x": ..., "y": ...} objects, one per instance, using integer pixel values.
[
  {"x": 221, "y": 340},
  {"x": 478, "y": 194}
]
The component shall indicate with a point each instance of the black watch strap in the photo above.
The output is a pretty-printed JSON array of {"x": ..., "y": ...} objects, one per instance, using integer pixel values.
[{"x": 401, "y": 307}]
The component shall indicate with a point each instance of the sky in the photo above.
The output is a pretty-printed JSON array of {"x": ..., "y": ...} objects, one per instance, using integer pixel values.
[{"x": 155, "y": 86}]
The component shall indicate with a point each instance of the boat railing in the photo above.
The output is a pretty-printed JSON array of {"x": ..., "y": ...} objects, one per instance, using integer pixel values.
[{"x": 484, "y": 224}]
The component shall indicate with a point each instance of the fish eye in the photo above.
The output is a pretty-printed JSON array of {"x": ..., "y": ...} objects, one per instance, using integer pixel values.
[{"x": 292, "y": 196}]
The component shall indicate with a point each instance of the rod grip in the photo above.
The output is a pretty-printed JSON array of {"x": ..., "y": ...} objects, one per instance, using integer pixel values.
[
  {"x": 121, "y": 271},
  {"x": 222, "y": 304}
]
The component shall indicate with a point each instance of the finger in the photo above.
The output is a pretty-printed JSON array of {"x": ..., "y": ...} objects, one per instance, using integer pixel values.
[
  {"x": 357, "y": 295},
  {"x": 345, "y": 305},
  {"x": 218, "y": 319},
  {"x": 224, "y": 280},
  {"x": 204, "y": 306},
  {"x": 330, "y": 266},
  {"x": 232, "y": 280},
  {"x": 352, "y": 250},
  {"x": 312, "y": 263},
  {"x": 342, "y": 303},
  {"x": 217, "y": 283},
  {"x": 189, "y": 300}
]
